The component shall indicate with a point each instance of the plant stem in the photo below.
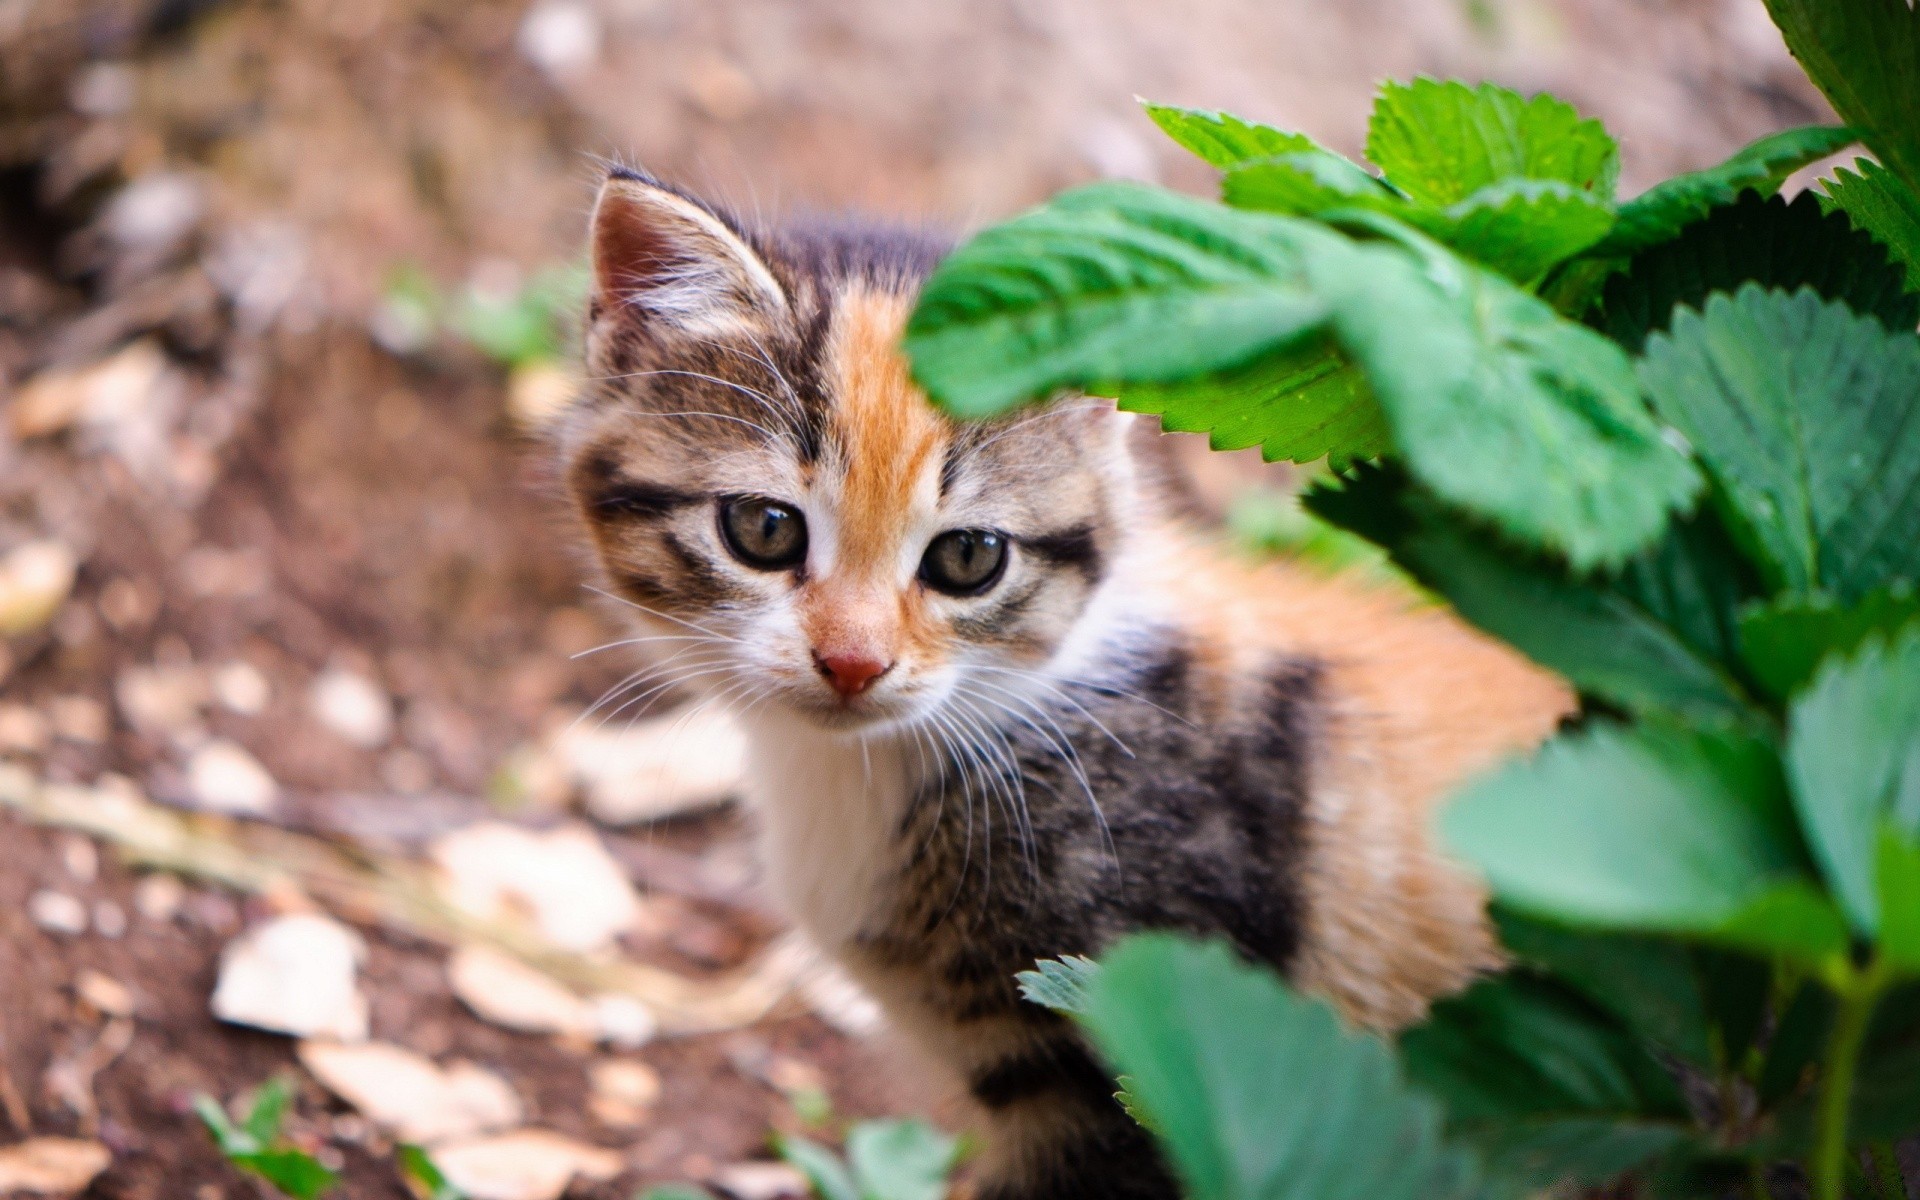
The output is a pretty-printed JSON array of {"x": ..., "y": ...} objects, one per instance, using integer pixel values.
[
  {"x": 1859, "y": 992},
  {"x": 1889, "y": 1183}
]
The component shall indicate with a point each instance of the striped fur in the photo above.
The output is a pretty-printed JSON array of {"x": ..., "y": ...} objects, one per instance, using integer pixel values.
[{"x": 1129, "y": 730}]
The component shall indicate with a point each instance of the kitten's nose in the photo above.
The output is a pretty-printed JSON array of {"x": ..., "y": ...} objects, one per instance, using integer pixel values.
[{"x": 850, "y": 674}]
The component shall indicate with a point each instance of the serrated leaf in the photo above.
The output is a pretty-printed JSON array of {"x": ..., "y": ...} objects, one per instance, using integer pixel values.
[
  {"x": 1784, "y": 641},
  {"x": 1865, "y": 55},
  {"x": 1880, "y": 204},
  {"x": 1519, "y": 1065},
  {"x": 900, "y": 1160},
  {"x": 1769, "y": 242},
  {"x": 1111, "y": 283},
  {"x": 1653, "y": 828},
  {"x": 1663, "y": 210},
  {"x": 1651, "y": 985},
  {"x": 1522, "y": 227},
  {"x": 1059, "y": 983},
  {"x": 1473, "y": 371},
  {"x": 1439, "y": 142},
  {"x": 829, "y": 1177},
  {"x": 1897, "y": 867},
  {"x": 1853, "y": 753},
  {"x": 1298, "y": 405},
  {"x": 1808, "y": 418},
  {"x": 1304, "y": 183},
  {"x": 1222, "y": 138},
  {"x": 1216, "y": 1053}
]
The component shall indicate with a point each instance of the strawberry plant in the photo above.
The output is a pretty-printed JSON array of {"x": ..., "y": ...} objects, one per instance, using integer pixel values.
[{"x": 1669, "y": 447}]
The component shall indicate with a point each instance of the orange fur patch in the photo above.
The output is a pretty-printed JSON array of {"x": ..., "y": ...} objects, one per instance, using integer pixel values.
[{"x": 888, "y": 432}]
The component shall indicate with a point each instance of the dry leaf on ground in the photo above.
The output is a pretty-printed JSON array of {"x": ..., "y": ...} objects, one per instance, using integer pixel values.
[
  {"x": 407, "y": 1094},
  {"x": 527, "y": 1164},
  {"x": 297, "y": 975},
  {"x": 564, "y": 879},
  {"x": 51, "y": 1166}
]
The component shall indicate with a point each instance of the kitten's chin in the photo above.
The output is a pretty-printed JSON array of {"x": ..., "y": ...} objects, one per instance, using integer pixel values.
[{"x": 853, "y": 715}]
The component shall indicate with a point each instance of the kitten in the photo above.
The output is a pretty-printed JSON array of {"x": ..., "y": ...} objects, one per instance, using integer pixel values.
[{"x": 1000, "y": 706}]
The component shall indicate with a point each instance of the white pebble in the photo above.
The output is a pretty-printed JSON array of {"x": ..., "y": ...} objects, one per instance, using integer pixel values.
[
  {"x": 57, "y": 912},
  {"x": 354, "y": 707},
  {"x": 223, "y": 777},
  {"x": 241, "y": 688}
]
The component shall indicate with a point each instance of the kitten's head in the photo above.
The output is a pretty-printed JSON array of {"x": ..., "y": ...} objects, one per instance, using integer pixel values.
[{"x": 763, "y": 481}]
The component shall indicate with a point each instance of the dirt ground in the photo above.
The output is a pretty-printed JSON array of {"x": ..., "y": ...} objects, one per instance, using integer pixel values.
[{"x": 233, "y": 187}]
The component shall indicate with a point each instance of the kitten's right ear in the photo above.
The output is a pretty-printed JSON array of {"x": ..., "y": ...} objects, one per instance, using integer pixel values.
[{"x": 660, "y": 258}]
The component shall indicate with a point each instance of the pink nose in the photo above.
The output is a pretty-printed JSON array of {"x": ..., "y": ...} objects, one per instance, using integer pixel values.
[{"x": 850, "y": 674}]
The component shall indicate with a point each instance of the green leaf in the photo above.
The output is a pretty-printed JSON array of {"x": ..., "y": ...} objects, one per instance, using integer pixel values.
[
  {"x": 1439, "y": 142},
  {"x": 1651, "y": 985},
  {"x": 1300, "y": 405},
  {"x": 1865, "y": 55},
  {"x": 1659, "y": 213},
  {"x": 1222, "y": 138},
  {"x": 900, "y": 1160},
  {"x": 1652, "y": 828},
  {"x": 230, "y": 1138},
  {"x": 1783, "y": 641},
  {"x": 1472, "y": 372},
  {"x": 1853, "y": 753},
  {"x": 268, "y": 1110},
  {"x": 428, "y": 1182},
  {"x": 1880, "y": 204},
  {"x": 1059, "y": 983},
  {"x": 1111, "y": 282},
  {"x": 1306, "y": 183},
  {"x": 1766, "y": 241},
  {"x": 294, "y": 1172},
  {"x": 1798, "y": 1039},
  {"x": 828, "y": 1176},
  {"x": 1520, "y": 1066},
  {"x": 675, "y": 1191},
  {"x": 1259, "y": 1093},
  {"x": 1808, "y": 418},
  {"x": 1522, "y": 227},
  {"x": 1898, "y": 868}
]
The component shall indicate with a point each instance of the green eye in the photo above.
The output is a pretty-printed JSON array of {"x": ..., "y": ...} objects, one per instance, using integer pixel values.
[
  {"x": 764, "y": 533},
  {"x": 964, "y": 562}
]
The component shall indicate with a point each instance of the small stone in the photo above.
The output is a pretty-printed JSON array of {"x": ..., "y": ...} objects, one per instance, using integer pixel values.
[
  {"x": 295, "y": 974},
  {"x": 155, "y": 212},
  {"x": 577, "y": 895},
  {"x": 353, "y": 707},
  {"x": 623, "y": 1021},
  {"x": 80, "y": 858},
  {"x": 222, "y": 777},
  {"x": 51, "y": 1166},
  {"x": 560, "y": 37},
  {"x": 78, "y": 719},
  {"x": 622, "y": 1091},
  {"x": 109, "y": 919},
  {"x": 23, "y": 730},
  {"x": 158, "y": 897},
  {"x": 35, "y": 580},
  {"x": 57, "y": 912},
  {"x": 103, "y": 993},
  {"x": 240, "y": 688},
  {"x": 527, "y": 1164},
  {"x": 161, "y": 700},
  {"x": 761, "y": 1181},
  {"x": 400, "y": 1091},
  {"x": 98, "y": 394}
]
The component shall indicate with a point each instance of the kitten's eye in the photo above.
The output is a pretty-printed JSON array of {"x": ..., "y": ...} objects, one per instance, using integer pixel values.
[
  {"x": 964, "y": 562},
  {"x": 764, "y": 533}
]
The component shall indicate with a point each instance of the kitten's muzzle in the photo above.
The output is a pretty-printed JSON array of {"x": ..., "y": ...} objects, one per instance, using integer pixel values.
[{"x": 850, "y": 674}]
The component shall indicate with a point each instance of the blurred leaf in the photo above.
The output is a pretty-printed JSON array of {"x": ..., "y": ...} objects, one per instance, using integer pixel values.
[
  {"x": 1222, "y": 138},
  {"x": 1880, "y": 204},
  {"x": 268, "y": 1110},
  {"x": 675, "y": 1191},
  {"x": 294, "y": 1172},
  {"x": 1653, "y": 828},
  {"x": 251, "y": 1148},
  {"x": 1853, "y": 752},
  {"x": 829, "y": 1176},
  {"x": 1808, "y": 418},
  {"x": 1865, "y": 55},
  {"x": 1785, "y": 640},
  {"x": 1769, "y": 242},
  {"x": 231, "y": 1138},
  {"x": 1663, "y": 210},
  {"x": 1258, "y": 1092},
  {"x": 1522, "y": 227},
  {"x": 1268, "y": 521},
  {"x": 1059, "y": 983},
  {"x": 1439, "y": 142},
  {"x": 1651, "y": 985},
  {"x": 426, "y": 1180},
  {"x": 900, "y": 1160},
  {"x": 1800, "y": 1034},
  {"x": 1898, "y": 868}
]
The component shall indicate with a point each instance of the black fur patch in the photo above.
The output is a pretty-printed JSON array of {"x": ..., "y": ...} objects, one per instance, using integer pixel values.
[
  {"x": 1076, "y": 547},
  {"x": 1062, "y": 1066},
  {"x": 642, "y": 500}
]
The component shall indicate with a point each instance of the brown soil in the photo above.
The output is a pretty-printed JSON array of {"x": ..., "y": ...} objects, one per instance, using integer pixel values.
[{"x": 317, "y": 500}]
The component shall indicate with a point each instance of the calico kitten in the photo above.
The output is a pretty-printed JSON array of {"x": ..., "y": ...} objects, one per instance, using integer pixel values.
[{"x": 1001, "y": 707}]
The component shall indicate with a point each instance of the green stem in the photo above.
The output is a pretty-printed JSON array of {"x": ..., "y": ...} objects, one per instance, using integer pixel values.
[
  {"x": 1858, "y": 994},
  {"x": 1889, "y": 1183}
]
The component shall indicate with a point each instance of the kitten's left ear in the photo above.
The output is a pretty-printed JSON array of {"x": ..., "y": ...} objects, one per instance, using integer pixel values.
[{"x": 665, "y": 261}]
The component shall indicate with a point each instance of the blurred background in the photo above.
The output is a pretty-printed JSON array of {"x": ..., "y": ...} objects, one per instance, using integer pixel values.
[{"x": 291, "y": 748}]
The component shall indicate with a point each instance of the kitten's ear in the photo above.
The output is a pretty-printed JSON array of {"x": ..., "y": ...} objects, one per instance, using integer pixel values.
[{"x": 660, "y": 258}]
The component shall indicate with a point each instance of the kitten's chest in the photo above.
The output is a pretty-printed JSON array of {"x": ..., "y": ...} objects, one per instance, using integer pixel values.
[{"x": 829, "y": 815}]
